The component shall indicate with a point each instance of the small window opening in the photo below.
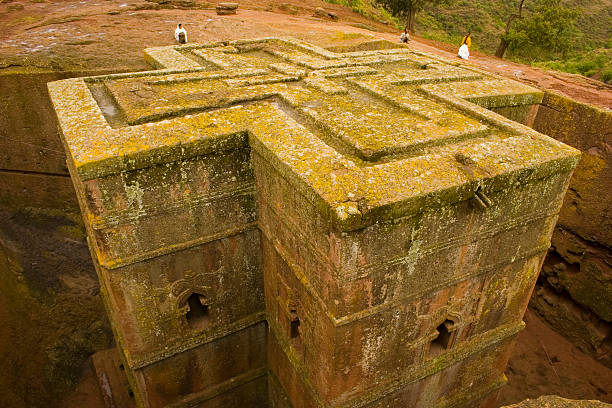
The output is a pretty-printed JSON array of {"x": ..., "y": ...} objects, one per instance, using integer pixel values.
[
  {"x": 130, "y": 393},
  {"x": 197, "y": 316},
  {"x": 442, "y": 340},
  {"x": 295, "y": 324}
]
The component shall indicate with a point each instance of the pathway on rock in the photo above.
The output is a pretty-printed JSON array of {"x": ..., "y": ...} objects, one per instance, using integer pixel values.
[{"x": 91, "y": 34}]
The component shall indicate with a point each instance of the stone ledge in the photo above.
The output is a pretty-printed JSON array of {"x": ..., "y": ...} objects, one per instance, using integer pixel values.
[{"x": 553, "y": 401}]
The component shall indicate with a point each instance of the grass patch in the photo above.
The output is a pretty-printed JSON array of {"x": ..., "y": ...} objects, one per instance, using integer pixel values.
[
  {"x": 368, "y": 9},
  {"x": 596, "y": 64},
  {"x": 486, "y": 20}
]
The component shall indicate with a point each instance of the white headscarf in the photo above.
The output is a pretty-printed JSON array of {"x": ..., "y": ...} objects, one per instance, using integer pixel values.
[{"x": 179, "y": 30}]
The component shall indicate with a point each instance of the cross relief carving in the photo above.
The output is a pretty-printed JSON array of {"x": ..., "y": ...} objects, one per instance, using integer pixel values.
[{"x": 345, "y": 125}]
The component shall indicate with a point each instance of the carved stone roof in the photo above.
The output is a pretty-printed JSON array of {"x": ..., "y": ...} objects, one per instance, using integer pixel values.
[{"x": 369, "y": 134}]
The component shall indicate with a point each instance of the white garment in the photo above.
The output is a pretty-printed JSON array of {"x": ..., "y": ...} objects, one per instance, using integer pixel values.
[
  {"x": 404, "y": 38},
  {"x": 464, "y": 52},
  {"x": 178, "y": 31}
]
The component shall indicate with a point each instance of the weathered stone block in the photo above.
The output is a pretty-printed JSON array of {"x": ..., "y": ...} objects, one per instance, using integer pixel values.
[
  {"x": 580, "y": 262},
  {"x": 151, "y": 300},
  {"x": 230, "y": 369},
  {"x": 403, "y": 334},
  {"x": 553, "y": 401},
  {"x": 402, "y": 225},
  {"x": 194, "y": 200}
]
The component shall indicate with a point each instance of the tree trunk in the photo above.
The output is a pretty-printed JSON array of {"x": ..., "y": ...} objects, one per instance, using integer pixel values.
[
  {"x": 411, "y": 16},
  {"x": 501, "y": 50},
  {"x": 503, "y": 44}
]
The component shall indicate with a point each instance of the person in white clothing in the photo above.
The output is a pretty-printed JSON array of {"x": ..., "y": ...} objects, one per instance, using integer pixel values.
[
  {"x": 405, "y": 37},
  {"x": 180, "y": 35},
  {"x": 464, "y": 52}
]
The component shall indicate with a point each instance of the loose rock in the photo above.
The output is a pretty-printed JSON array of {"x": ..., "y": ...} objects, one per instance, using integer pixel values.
[
  {"x": 289, "y": 8},
  {"x": 321, "y": 12},
  {"x": 224, "y": 9},
  {"x": 227, "y": 6}
]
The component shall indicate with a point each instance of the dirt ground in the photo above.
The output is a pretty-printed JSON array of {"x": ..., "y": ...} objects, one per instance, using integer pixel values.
[
  {"x": 69, "y": 35},
  {"x": 58, "y": 34},
  {"x": 545, "y": 363}
]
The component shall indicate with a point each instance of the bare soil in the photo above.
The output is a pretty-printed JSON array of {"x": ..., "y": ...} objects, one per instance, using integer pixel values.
[
  {"x": 545, "y": 363},
  {"x": 59, "y": 34}
]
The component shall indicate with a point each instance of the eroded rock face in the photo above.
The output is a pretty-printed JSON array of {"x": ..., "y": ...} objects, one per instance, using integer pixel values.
[
  {"x": 351, "y": 223},
  {"x": 51, "y": 312},
  {"x": 580, "y": 264},
  {"x": 52, "y": 317}
]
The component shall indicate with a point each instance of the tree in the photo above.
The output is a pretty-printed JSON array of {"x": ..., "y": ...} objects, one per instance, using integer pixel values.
[
  {"x": 548, "y": 30},
  {"x": 503, "y": 44},
  {"x": 407, "y": 9}
]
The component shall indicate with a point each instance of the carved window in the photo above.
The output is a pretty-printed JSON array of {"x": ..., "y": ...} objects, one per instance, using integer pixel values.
[
  {"x": 443, "y": 338},
  {"x": 198, "y": 316},
  {"x": 295, "y": 324}
]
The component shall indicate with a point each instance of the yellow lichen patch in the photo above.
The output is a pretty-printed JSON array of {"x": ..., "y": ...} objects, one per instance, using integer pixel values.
[{"x": 491, "y": 93}]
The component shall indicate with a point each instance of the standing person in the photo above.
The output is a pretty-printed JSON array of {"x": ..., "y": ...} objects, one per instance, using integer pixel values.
[
  {"x": 464, "y": 50},
  {"x": 467, "y": 40},
  {"x": 405, "y": 37},
  {"x": 180, "y": 35}
]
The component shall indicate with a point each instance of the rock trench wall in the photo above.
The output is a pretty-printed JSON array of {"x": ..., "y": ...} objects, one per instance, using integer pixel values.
[
  {"x": 574, "y": 293},
  {"x": 51, "y": 315}
]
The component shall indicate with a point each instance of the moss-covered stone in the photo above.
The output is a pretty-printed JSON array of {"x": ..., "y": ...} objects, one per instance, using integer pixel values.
[
  {"x": 580, "y": 265},
  {"x": 402, "y": 224},
  {"x": 553, "y": 401}
]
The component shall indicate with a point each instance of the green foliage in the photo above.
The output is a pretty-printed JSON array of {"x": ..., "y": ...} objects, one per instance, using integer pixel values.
[
  {"x": 596, "y": 63},
  {"x": 574, "y": 50},
  {"x": 407, "y": 9},
  {"x": 403, "y": 7},
  {"x": 367, "y": 8},
  {"x": 548, "y": 30},
  {"x": 485, "y": 19}
]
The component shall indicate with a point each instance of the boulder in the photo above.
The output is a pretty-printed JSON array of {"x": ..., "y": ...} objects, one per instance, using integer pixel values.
[
  {"x": 289, "y": 8},
  {"x": 224, "y": 9},
  {"x": 322, "y": 13},
  {"x": 227, "y": 6}
]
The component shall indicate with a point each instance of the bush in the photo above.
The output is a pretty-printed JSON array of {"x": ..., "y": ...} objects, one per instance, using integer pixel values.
[
  {"x": 546, "y": 32},
  {"x": 596, "y": 63}
]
